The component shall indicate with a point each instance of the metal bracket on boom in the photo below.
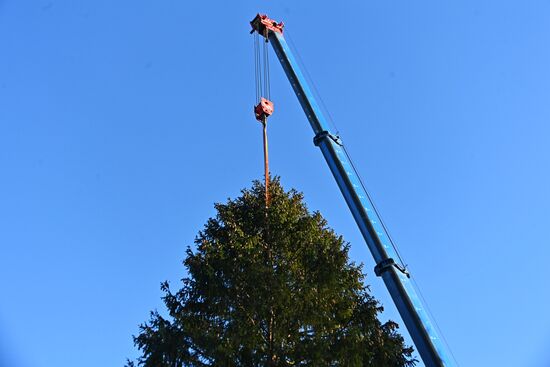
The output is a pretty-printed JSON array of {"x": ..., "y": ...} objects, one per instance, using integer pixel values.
[
  {"x": 262, "y": 23},
  {"x": 263, "y": 110},
  {"x": 325, "y": 134},
  {"x": 384, "y": 265}
]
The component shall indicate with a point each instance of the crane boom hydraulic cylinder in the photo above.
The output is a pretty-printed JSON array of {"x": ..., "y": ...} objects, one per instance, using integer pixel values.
[{"x": 430, "y": 346}]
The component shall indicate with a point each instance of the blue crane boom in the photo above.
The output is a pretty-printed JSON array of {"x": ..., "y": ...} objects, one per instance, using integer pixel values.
[{"x": 430, "y": 346}]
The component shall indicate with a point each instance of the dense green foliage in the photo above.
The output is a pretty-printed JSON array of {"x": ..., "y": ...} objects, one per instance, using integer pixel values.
[{"x": 270, "y": 290}]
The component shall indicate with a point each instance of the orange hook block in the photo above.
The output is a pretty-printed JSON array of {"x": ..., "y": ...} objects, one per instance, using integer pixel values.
[{"x": 263, "y": 110}]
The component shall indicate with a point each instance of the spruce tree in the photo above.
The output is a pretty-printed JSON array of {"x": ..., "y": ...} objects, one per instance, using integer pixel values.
[{"x": 270, "y": 287}]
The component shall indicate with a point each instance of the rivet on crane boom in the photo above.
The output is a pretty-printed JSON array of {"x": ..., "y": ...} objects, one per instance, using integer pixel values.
[{"x": 389, "y": 266}]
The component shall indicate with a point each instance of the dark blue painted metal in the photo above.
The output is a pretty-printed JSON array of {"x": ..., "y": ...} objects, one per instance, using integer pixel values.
[{"x": 429, "y": 345}]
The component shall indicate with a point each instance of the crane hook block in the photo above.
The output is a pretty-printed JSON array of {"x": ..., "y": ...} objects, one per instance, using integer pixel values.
[
  {"x": 263, "y": 110},
  {"x": 262, "y": 23}
]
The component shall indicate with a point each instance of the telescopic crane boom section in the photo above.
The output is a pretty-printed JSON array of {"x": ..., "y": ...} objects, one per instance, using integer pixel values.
[{"x": 430, "y": 346}]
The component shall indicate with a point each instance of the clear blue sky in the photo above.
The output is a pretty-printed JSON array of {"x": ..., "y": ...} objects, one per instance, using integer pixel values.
[{"x": 122, "y": 122}]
